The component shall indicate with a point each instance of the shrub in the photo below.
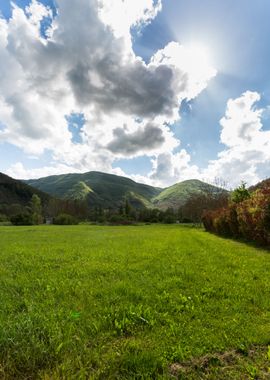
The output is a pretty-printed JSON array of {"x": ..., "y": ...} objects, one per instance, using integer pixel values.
[
  {"x": 248, "y": 218},
  {"x": 221, "y": 223},
  {"x": 120, "y": 220},
  {"x": 186, "y": 220},
  {"x": 253, "y": 216},
  {"x": 233, "y": 221},
  {"x": 169, "y": 219},
  {"x": 65, "y": 219},
  {"x": 207, "y": 219},
  {"x": 3, "y": 218},
  {"x": 22, "y": 219}
]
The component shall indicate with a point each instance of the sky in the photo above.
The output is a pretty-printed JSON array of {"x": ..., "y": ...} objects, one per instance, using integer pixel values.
[{"x": 157, "y": 90}]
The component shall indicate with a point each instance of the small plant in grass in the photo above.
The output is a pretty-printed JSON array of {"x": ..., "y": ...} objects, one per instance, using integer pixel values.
[{"x": 252, "y": 372}]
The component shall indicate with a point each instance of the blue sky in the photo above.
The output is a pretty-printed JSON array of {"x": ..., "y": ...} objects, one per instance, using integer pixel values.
[
  {"x": 237, "y": 34},
  {"x": 233, "y": 38}
]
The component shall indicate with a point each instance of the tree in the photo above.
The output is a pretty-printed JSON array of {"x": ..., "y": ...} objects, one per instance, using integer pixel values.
[
  {"x": 198, "y": 204},
  {"x": 22, "y": 219},
  {"x": 36, "y": 209},
  {"x": 240, "y": 193},
  {"x": 127, "y": 208},
  {"x": 121, "y": 209},
  {"x": 3, "y": 218},
  {"x": 169, "y": 216}
]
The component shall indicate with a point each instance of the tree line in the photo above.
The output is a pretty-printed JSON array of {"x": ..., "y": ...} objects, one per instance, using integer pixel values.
[{"x": 72, "y": 212}]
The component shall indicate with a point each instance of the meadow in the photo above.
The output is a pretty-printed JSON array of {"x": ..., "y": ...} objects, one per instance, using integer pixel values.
[{"x": 133, "y": 302}]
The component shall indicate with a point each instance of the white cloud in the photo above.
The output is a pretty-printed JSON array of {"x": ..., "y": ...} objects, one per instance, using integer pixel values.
[
  {"x": 242, "y": 121},
  {"x": 192, "y": 68},
  {"x": 169, "y": 168},
  {"x": 36, "y": 12},
  {"x": 19, "y": 171},
  {"x": 247, "y": 153},
  {"x": 246, "y": 156},
  {"x": 87, "y": 66},
  {"x": 120, "y": 16}
]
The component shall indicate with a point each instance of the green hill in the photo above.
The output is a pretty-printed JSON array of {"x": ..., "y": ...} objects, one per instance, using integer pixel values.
[
  {"x": 178, "y": 194},
  {"x": 106, "y": 190},
  {"x": 15, "y": 197},
  {"x": 13, "y": 191},
  {"x": 79, "y": 191}
]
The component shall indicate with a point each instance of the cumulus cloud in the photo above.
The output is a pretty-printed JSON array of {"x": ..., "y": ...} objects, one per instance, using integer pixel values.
[
  {"x": 37, "y": 12},
  {"x": 139, "y": 140},
  {"x": 169, "y": 168},
  {"x": 242, "y": 121},
  {"x": 245, "y": 157},
  {"x": 85, "y": 64},
  {"x": 19, "y": 171},
  {"x": 247, "y": 153},
  {"x": 121, "y": 16},
  {"x": 147, "y": 138}
]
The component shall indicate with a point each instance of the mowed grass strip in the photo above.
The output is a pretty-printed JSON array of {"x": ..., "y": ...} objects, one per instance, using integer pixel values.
[{"x": 90, "y": 302}]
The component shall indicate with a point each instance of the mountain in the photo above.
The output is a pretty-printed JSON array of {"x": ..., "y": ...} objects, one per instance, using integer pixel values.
[
  {"x": 108, "y": 190},
  {"x": 177, "y": 195},
  {"x": 98, "y": 189},
  {"x": 13, "y": 191}
]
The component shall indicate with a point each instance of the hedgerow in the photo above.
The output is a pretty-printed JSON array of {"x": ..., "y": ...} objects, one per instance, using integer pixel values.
[{"x": 247, "y": 217}]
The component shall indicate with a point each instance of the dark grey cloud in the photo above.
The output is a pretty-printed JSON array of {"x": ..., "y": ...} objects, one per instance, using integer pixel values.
[
  {"x": 85, "y": 48},
  {"x": 144, "y": 139},
  {"x": 133, "y": 90},
  {"x": 20, "y": 111}
]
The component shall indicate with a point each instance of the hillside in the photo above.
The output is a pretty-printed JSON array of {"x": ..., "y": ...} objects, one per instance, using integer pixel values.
[
  {"x": 177, "y": 195},
  {"x": 106, "y": 190},
  {"x": 13, "y": 191}
]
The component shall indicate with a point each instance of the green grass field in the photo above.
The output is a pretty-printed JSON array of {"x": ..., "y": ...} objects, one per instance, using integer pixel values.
[{"x": 140, "y": 302}]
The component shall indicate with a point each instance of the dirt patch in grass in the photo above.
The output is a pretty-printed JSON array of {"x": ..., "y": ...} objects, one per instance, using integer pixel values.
[{"x": 253, "y": 363}]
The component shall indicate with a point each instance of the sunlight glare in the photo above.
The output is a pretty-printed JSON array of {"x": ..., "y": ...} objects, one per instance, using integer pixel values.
[{"x": 198, "y": 59}]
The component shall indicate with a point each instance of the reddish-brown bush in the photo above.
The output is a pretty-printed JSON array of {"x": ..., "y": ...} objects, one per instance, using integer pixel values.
[{"x": 249, "y": 219}]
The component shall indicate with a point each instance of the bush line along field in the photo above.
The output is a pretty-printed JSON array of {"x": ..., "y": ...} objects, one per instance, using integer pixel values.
[
  {"x": 97, "y": 302},
  {"x": 247, "y": 215}
]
